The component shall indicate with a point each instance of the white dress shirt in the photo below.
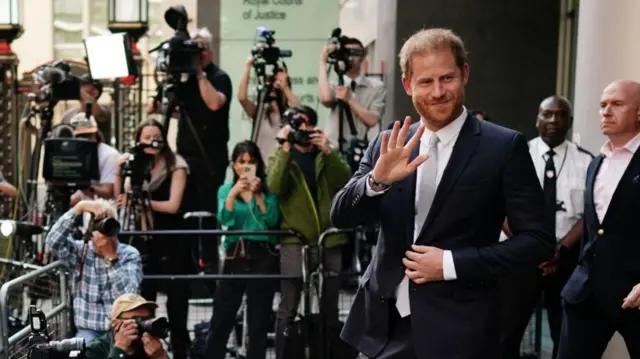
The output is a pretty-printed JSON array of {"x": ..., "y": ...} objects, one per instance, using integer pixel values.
[
  {"x": 614, "y": 164},
  {"x": 447, "y": 136},
  {"x": 571, "y": 165}
]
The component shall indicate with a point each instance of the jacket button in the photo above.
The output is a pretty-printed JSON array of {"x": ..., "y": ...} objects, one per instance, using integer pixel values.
[
  {"x": 382, "y": 299},
  {"x": 600, "y": 231}
]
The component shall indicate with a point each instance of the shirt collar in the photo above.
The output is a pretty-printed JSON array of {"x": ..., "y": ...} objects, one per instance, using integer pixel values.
[
  {"x": 631, "y": 146},
  {"x": 360, "y": 80},
  {"x": 559, "y": 149},
  {"x": 448, "y": 132}
]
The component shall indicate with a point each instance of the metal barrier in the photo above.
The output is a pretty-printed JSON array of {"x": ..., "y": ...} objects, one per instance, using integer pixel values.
[{"x": 46, "y": 284}]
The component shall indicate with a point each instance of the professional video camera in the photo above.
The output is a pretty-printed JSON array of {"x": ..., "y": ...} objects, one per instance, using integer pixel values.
[
  {"x": 156, "y": 327},
  {"x": 56, "y": 83},
  {"x": 265, "y": 51},
  {"x": 180, "y": 54},
  {"x": 342, "y": 53},
  {"x": 293, "y": 118},
  {"x": 139, "y": 166},
  {"x": 42, "y": 347}
]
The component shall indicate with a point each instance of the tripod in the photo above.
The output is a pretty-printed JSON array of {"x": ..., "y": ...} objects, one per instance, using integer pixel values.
[
  {"x": 264, "y": 90},
  {"x": 341, "y": 67}
]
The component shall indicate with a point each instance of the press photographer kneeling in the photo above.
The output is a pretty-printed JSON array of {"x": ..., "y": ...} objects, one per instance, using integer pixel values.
[
  {"x": 134, "y": 332},
  {"x": 102, "y": 267},
  {"x": 150, "y": 184}
]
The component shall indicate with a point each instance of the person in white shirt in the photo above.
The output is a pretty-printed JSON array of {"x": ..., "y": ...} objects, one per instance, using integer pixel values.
[
  {"x": 107, "y": 159},
  {"x": 280, "y": 98},
  {"x": 561, "y": 167},
  {"x": 365, "y": 97}
]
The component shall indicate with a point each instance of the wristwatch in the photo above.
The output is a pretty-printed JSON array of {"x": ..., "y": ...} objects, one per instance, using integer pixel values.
[
  {"x": 377, "y": 186},
  {"x": 109, "y": 261},
  {"x": 202, "y": 75}
]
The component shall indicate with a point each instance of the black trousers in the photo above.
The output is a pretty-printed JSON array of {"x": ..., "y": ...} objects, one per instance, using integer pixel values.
[
  {"x": 587, "y": 330},
  {"x": 177, "y": 297},
  {"x": 260, "y": 258},
  {"x": 201, "y": 195},
  {"x": 521, "y": 295}
]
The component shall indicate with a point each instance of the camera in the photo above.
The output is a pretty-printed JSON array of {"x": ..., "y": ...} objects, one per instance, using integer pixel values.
[
  {"x": 342, "y": 52},
  {"x": 41, "y": 347},
  {"x": 138, "y": 167},
  {"x": 265, "y": 51},
  {"x": 180, "y": 54},
  {"x": 109, "y": 226},
  {"x": 56, "y": 83},
  {"x": 156, "y": 327},
  {"x": 294, "y": 118}
]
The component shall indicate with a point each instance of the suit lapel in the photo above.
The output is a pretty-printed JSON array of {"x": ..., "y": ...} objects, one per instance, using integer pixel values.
[
  {"x": 623, "y": 189},
  {"x": 591, "y": 179},
  {"x": 463, "y": 149}
]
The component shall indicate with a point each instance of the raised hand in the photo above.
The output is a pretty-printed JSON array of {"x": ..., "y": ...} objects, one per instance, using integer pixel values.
[{"x": 393, "y": 163}]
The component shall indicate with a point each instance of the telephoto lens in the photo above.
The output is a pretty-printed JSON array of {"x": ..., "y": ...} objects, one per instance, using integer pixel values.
[
  {"x": 67, "y": 345},
  {"x": 156, "y": 327}
]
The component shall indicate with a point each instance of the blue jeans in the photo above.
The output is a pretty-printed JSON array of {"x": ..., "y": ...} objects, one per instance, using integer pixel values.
[{"x": 88, "y": 335}]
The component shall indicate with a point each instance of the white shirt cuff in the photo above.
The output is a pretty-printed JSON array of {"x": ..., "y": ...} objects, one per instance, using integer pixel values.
[
  {"x": 370, "y": 192},
  {"x": 448, "y": 268}
]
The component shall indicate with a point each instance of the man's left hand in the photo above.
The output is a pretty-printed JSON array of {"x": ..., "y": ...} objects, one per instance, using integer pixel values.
[
  {"x": 320, "y": 140},
  {"x": 424, "y": 264},
  {"x": 153, "y": 347}
]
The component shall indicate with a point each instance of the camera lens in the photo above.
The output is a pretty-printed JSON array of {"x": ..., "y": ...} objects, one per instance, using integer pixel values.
[
  {"x": 67, "y": 345},
  {"x": 158, "y": 327}
]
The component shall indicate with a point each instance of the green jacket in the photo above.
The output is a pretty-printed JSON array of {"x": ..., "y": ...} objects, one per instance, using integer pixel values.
[
  {"x": 298, "y": 212},
  {"x": 102, "y": 348}
]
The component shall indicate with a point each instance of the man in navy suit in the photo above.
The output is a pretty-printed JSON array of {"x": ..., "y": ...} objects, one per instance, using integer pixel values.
[
  {"x": 603, "y": 294},
  {"x": 440, "y": 190}
]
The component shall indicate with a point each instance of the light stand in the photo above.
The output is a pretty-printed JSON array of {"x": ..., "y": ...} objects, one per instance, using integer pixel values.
[{"x": 132, "y": 18}]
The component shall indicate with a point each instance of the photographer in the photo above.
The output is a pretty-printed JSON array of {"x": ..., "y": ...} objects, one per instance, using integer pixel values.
[
  {"x": 124, "y": 339},
  {"x": 90, "y": 91},
  {"x": 246, "y": 204},
  {"x": 305, "y": 175},
  {"x": 102, "y": 267},
  {"x": 280, "y": 98},
  {"x": 364, "y": 96},
  {"x": 107, "y": 159},
  {"x": 168, "y": 255}
]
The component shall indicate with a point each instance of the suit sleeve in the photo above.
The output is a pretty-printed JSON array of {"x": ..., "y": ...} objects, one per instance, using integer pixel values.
[
  {"x": 533, "y": 241},
  {"x": 351, "y": 206}
]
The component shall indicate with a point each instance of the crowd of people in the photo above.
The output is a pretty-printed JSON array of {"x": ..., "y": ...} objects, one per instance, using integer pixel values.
[{"x": 474, "y": 222}]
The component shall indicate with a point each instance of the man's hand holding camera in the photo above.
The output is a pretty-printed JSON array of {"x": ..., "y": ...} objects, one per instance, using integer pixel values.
[
  {"x": 320, "y": 140},
  {"x": 105, "y": 246},
  {"x": 126, "y": 334},
  {"x": 326, "y": 51}
]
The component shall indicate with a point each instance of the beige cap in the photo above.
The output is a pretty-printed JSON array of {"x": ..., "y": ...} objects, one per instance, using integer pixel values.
[
  {"x": 128, "y": 302},
  {"x": 83, "y": 125}
]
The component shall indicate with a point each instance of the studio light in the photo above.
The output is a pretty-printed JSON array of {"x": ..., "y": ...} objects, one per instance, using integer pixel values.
[
  {"x": 10, "y": 26},
  {"x": 9, "y": 228},
  {"x": 130, "y": 17}
]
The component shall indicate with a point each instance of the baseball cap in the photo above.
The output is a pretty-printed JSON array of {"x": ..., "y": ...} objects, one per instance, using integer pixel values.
[
  {"x": 83, "y": 125},
  {"x": 87, "y": 79},
  {"x": 128, "y": 302}
]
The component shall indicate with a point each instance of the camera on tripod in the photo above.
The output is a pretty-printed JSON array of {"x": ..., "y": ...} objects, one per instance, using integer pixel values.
[
  {"x": 42, "y": 347},
  {"x": 342, "y": 53},
  {"x": 56, "y": 83},
  {"x": 265, "y": 51},
  {"x": 180, "y": 54},
  {"x": 294, "y": 117},
  {"x": 138, "y": 166}
]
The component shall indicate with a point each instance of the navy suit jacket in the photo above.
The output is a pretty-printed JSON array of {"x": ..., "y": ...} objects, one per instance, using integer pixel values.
[
  {"x": 608, "y": 266},
  {"x": 490, "y": 175}
]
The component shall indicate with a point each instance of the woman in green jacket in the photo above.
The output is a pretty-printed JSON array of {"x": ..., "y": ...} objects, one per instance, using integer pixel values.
[{"x": 245, "y": 204}]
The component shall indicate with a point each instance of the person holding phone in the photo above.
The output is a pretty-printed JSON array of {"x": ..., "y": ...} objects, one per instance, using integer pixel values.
[{"x": 245, "y": 204}]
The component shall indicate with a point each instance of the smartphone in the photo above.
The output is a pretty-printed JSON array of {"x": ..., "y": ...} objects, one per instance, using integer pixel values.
[{"x": 250, "y": 172}]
